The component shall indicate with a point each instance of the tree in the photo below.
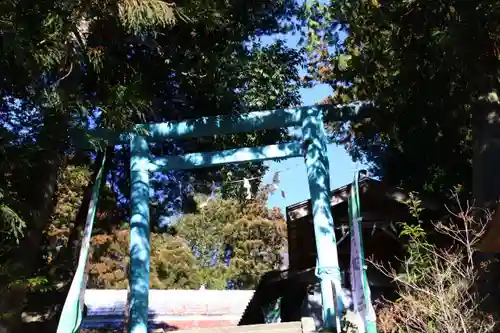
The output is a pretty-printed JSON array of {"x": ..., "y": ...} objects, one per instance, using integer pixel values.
[
  {"x": 245, "y": 238},
  {"x": 173, "y": 266},
  {"x": 423, "y": 70},
  {"x": 120, "y": 63},
  {"x": 225, "y": 242},
  {"x": 68, "y": 68}
]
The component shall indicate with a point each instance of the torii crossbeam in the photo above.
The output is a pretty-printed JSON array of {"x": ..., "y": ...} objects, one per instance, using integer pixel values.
[{"x": 313, "y": 147}]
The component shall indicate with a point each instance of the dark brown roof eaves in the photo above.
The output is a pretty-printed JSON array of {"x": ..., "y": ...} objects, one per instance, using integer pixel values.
[
  {"x": 341, "y": 194},
  {"x": 338, "y": 195}
]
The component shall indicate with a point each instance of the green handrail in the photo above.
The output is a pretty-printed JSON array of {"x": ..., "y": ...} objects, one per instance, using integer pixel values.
[
  {"x": 72, "y": 313},
  {"x": 357, "y": 258}
]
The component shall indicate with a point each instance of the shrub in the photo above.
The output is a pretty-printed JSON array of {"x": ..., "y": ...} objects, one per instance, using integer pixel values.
[{"x": 436, "y": 285}]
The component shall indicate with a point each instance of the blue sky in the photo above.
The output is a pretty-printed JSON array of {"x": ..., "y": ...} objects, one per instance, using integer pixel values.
[{"x": 293, "y": 177}]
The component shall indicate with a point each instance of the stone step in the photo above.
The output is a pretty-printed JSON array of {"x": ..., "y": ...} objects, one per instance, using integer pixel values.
[
  {"x": 291, "y": 327},
  {"x": 304, "y": 326}
]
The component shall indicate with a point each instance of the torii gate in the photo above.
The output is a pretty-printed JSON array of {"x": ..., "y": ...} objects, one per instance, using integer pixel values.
[{"x": 313, "y": 147}]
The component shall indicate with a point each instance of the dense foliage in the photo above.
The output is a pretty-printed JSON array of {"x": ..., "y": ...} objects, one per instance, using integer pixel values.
[
  {"x": 413, "y": 77},
  {"x": 226, "y": 242},
  {"x": 70, "y": 66},
  {"x": 422, "y": 69}
]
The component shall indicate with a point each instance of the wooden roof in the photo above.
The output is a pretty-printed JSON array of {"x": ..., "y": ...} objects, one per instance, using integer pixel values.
[
  {"x": 381, "y": 205},
  {"x": 369, "y": 187}
]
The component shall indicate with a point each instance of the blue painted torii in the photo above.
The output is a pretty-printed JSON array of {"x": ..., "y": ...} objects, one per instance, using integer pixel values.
[{"x": 310, "y": 119}]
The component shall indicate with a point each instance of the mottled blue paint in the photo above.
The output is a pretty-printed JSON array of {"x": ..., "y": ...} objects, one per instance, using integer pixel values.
[
  {"x": 311, "y": 120},
  {"x": 224, "y": 124},
  {"x": 139, "y": 236},
  {"x": 317, "y": 166},
  {"x": 239, "y": 155},
  {"x": 205, "y": 126}
]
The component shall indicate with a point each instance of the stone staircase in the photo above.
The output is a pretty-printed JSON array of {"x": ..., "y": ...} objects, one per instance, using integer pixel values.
[{"x": 306, "y": 325}]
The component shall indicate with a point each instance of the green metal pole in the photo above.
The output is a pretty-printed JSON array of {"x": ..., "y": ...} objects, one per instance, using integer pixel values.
[
  {"x": 327, "y": 268},
  {"x": 361, "y": 298},
  {"x": 72, "y": 312},
  {"x": 139, "y": 236}
]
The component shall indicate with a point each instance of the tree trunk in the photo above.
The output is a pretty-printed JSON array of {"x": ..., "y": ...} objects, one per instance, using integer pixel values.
[
  {"x": 64, "y": 264},
  {"x": 486, "y": 192},
  {"x": 486, "y": 159},
  {"x": 52, "y": 143}
]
